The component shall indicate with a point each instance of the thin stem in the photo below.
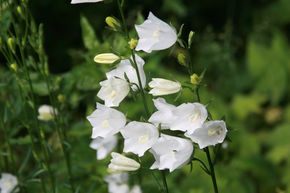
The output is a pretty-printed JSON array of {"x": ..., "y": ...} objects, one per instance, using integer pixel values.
[
  {"x": 164, "y": 181},
  {"x": 139, "y": 79},
  {"x": 140, "y": 84},
  {"x": 212, "y": 173},
  {"x": 7, "y": 141}
]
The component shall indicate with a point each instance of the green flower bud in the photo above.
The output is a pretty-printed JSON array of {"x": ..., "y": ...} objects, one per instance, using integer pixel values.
[
  {"x": 133, "y": 43},
  {"x": 61, "y": 98},
  {"x": 190, "y": 36},
  {"x": 181, "y": 59},
  {"x": 194, "y": 79},
  {"x": 113, "y": 23},
  {"x": 14, "y": 67},
  {"x": 10, "y": 43}
]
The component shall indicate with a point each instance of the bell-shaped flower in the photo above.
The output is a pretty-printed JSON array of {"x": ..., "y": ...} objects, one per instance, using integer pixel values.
[
  {"x": 125, "y": 67},
  {"x": 84, "y": 1},
  {"x": 190, "y": 117},
  {"x": 211, "y": 133},
  {"x": 164, "y": 116},
  {"x": 155, "y": 34},
  {"x": 46, "y": 112},
  {"x": 160, "y": 86},
  {"x": 117, "y": 183},
  {"x": 139, "y": 137},
  {"x": 104, "y": 146},
  {"x": 106, "y": 58},
  {"x": 171, "y": 152},
  {"x": 8, "y": 183},
  {"x": 120, "y": 163},
  {"x": 106, "y": 121},
  {"x": 113, "y": 91}
]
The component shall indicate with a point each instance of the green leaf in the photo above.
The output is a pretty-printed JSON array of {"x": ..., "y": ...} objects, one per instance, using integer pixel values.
[{"x": 89, "y": 38}]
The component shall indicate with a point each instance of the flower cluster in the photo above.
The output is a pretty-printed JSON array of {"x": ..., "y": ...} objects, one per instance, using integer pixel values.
[
  {"x": 170, "y": 152},
  {"x": 189, "y": 119}
]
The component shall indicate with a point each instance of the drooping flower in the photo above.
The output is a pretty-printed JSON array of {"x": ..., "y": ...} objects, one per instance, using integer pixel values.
[
  {"x": 8, "y": 183},
  {"x": 125, "y": 67},
  {"x": 171, "y": 152},
  {"x": 106, "y": 58},
  {"x": 120, "y": 163},
  {"x": 84, "y": 1},
  {"x": 211, "y": 133},
  {"x": 113, "y": 91},
  {"x": 190, "y": 116},
  {"x": 155, "y": 34},
  {"x": 164, "y": 115},
  {"x": 160, "y": 86},
  {"x": 118, "y": 183},
  {"x": 139, "y": 137},
  {"x": 104, "y": 146},
  {"x": 106, "y": 121},
  {"x": 46, "y": 112}
]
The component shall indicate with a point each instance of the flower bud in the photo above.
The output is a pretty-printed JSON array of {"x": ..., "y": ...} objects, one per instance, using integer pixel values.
[
  {"x": 194, "y": 79},
  {"x": 10, "y": 43},
  {"x": 190, "y": 36},
  {"x": 181, "y": 59},
  {"x": 112, "y": 23},
  {"x": 106, "y": 58},
  {"x": 160, "y": 86},
  {"x": 19, "y": 11},
  {"x": 14, "y": 67},
  {"x": 120, "y": 163},
  {"x": 61, "y": 98},
  {"x": 46, "y": 112},
  {"x": 133, "y": 43}
]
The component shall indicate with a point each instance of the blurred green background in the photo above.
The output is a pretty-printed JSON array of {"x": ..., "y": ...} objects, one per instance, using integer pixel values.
[{"x": 245, "y": 47}]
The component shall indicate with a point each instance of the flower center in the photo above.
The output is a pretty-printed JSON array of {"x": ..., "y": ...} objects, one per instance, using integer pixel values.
[
  {"x": 143, "y": 139},
  {"x": 8, "y": 184},
  {"x": 113, "y": 93},
  {"x": 105, "y": 124},
  {"x": 214, "y": 131},
  {"x": 173, "y": 153},
  {"x": 156, "y": 34},
  {"x": 194, "y": 117}
]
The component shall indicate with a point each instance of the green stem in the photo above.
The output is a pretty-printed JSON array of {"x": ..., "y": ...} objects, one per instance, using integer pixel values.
[
  {"x": 212, "y": 173},
  {"x": 41, "y": 132},
  {"x": 164, "y": 181},
  {"x": 140, "y": 84},
  {"x": 8, "y": 144},
  {"x": 139, "y": 80}
]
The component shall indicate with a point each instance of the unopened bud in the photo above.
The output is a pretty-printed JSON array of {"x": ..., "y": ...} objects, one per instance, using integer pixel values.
[
  {"x": 14, "y": 67},
  {"x": 133, "y": 43},
  {"x": 19, "y": 11},
  {"x": 194, "y": 79},
  {"x": 10, "y": 43},
  {"x": 106, "y": 58},
  {"x": 113, "y": 23},
  {"x": 58, "y": 80},
  {"x": 61, "y": 98},
  {"x": 190, "y": 36},
  {"x": 181, "y": 59}
]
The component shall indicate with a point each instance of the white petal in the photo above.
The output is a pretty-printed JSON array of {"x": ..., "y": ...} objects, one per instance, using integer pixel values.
[
  {"x": 171, "y": 152},
  {"x": 104, "y": 146},
  {"x": 211, "y": 133},
  {"x": 154, "y": 34},
  {"x": 139, "y": 137},
  {"x": 106, "y": 121},
  {"x": 113, "y": 91}
]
